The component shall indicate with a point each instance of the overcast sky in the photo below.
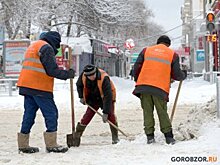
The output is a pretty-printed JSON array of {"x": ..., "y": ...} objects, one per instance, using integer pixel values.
[{"x": 167, "y": 14}]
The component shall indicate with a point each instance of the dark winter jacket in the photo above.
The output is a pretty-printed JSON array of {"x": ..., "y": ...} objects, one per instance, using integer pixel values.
[
  {"x": 94, "y": 97},
  {"x": 176, "y": 74},
  {"x": 47, "y": 57}
]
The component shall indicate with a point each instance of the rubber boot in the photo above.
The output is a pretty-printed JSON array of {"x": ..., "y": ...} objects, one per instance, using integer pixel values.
[
  {"x": 23, "y": 144},
  {"x": 114, "y": 132},
  {"x": 50, "y": 139},
  {"x": 77, "y": 137},
  {"x": 169, "y": 137},
  {"x": 150, "y": 138}
]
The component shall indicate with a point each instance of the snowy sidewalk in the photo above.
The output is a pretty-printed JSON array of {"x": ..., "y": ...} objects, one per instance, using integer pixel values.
[{"x": 96, "y": 148}]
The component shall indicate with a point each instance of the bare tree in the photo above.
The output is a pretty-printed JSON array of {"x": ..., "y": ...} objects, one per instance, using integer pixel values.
[{"x": 111, "y": 20}]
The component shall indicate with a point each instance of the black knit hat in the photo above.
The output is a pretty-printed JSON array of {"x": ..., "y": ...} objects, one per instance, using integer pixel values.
[
  {"x": 164, "y": 39},
  {"x": 89, "y": 70},
  {"x": 53, "y": 38}
]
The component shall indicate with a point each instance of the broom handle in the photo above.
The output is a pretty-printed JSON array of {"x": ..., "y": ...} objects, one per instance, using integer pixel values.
[
  {"x": 113, "y": 125},
  {"x": 175, "y": 102}
]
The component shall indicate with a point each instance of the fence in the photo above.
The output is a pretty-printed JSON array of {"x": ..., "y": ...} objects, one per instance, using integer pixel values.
[{"x": 8, "y": 85}]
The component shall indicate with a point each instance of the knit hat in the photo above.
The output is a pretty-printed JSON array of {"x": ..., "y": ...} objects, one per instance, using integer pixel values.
[
  {"x": 164, "y": 39},
  {"x": 89, "y": 70}
]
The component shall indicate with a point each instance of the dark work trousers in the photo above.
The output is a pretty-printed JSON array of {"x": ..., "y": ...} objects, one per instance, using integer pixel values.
[
  {"x": 148, "y": 102},
  {"x": 87, "y": 117},
  {"x": 48, "y": 109}
]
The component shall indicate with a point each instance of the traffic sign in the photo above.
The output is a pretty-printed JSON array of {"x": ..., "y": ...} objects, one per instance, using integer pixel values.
[{"x": 129, "y": 44}]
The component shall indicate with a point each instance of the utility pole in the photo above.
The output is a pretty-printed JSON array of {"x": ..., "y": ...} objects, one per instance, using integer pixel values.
[
  {"x": 205, "y": 41},
  {"x": 211, "y": 61}
]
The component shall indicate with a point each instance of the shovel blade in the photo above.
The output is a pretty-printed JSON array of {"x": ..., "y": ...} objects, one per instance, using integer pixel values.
[{"x": 72, "y": 140}]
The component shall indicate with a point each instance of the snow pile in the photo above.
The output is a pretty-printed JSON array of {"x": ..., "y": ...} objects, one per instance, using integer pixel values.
[{"x": 197, "y": 117}]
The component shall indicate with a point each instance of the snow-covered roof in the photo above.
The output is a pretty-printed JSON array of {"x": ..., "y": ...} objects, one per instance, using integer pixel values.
[
  {"x": 73, "y": 42},
  {"x": 113, "y": 50}
]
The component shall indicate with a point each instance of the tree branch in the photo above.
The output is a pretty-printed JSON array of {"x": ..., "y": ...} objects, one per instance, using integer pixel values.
[{"x": 76, "y": 23}]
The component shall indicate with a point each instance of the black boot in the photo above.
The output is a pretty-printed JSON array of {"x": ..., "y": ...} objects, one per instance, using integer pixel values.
[
  {"x": 114, "y": 132},
  {"x": 50, "y": 139},
  {"x": 77, "y": 136},
  {"x": 169, "y": 137},
  {"x": 150, "y": 138},
  {"x": 23, "y": 144}
]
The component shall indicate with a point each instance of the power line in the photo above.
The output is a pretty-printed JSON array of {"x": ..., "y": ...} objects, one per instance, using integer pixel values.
[
  {"x": 168, "y": 30},
  {"x": 177, "y": 37}
]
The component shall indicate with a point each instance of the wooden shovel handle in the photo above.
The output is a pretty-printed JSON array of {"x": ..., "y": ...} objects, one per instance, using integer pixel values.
[
  {"x": 175, "y": 102},
  {"x": 113, "y": 125},
  {"x": 72, "y": 105},
  {"x": 71, "y": 93}
]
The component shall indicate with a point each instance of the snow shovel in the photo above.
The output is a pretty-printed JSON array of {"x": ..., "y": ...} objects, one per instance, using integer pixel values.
[
  {"x": 175, "y": 102},
  {"x": 70, "y": 137},
  {"x": 113, "y": 125}
]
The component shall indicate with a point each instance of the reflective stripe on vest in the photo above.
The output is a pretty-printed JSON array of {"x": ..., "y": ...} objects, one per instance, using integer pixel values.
[
  {"x": 99, "y": 84},
  {"x": 33, "y": 68},
  {"x": 156, "y": 69},
  {"x": 33, "y": 74},
  {"x": 158, "y": 59},
  {"x": 32, "y": 60}
]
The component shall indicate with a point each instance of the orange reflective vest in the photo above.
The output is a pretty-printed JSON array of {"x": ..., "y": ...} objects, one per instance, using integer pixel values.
[
  {"x": 99, "y": 83},
  {"x": 156, "y": 69},
  {"x": 33, "y": 74}
]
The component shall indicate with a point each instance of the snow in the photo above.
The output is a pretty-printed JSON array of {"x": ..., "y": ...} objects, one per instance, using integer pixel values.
[
  {"x": 82, "y": 43},
  {"x": 195, "y": 114}
]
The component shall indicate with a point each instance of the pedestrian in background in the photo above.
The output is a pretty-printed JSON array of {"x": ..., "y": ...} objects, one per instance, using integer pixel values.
[
  {"x": 97, "y": 90},
  {"x": 153, "y": 70},
  {"x": 132, "y": 72},
  {"x": 36, "y": 83}
]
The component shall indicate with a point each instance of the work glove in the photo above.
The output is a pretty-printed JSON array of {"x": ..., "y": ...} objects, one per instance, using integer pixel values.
[
  {"x": 82, "y": 101},
  {"x": 185, "y": 71},
  {"x": 72, "y": 73},
  {"x": 104, "y": 118}
]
